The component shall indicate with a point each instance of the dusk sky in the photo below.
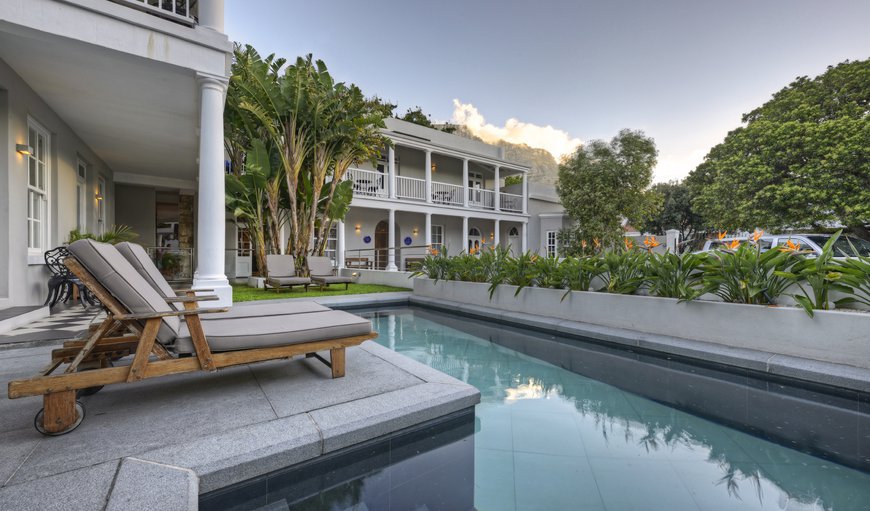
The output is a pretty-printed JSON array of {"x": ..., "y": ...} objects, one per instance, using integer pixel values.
[{"x": 555, "y": 73}]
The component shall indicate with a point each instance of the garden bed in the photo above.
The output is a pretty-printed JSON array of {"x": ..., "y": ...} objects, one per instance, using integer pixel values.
[{"x": 837, "y": 337}]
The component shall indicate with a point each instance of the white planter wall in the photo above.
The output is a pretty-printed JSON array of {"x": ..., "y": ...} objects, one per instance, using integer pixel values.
[{"x": 831, "y": 336}]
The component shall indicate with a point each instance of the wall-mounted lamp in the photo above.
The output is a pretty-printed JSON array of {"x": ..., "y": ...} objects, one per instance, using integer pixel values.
[
  {"x": 434, "y": 167},
  {"x": 98, "y": 197},
  {"x": 415, "y": 231},
  {"x": 357, "y": 228},
  {"x": 24, "y": 149},
  {"x": 491, "y": 236}
]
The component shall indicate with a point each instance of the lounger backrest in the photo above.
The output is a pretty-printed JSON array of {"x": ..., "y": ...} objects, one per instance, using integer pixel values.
[
  {"x": 320, "y": 266},
  {"x": 136, "y": 255},
  {"x": 119, "y": 277},
  {"x": 280, "y": 265}
]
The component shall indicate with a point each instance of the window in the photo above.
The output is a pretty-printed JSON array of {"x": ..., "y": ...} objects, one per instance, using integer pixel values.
[
  {"x": 81, "y": 196},
  {"x": 243, "y": 241},
  {"x": 332, "y": 245},
  {"x": 38, "y": 174},
  {"x": 438, "y": 237},
  {"x": 101, "y": 205},
  {"x": 474, "y": 240},
  {"x": 552, "y": 244}
]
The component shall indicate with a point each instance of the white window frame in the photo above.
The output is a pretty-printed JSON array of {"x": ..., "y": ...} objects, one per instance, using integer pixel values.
[
  {"x": 437, "y": 237},
  {"x": 331, "y": 247},
  {"x": 552, "y": 243},
  {"x": 82, "y": 195},
  {"x": 101, "y": 205},
  {"x": 37, "y": 247}
]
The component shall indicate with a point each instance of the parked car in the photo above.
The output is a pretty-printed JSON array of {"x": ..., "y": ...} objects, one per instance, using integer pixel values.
[{"x": 845, "y": 246}]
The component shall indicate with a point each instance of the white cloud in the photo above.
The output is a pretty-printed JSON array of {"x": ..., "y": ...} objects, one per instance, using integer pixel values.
[
  {"x": 677, "y": 165},
  {"x": 557, "y": 142}
]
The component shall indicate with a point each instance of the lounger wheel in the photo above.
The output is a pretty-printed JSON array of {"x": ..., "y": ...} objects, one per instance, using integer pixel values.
[
  {"x": 38, "y": 424},
  {"x": 90, "y": 391}
]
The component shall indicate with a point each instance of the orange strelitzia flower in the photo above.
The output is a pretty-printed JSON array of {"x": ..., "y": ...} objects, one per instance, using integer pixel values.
[
  {"x": 596, "y": 242},
  {"x": 650, "y": 242},
  {"x": 757, "y": 235},
  {"x": 583, "y": 244},
  {"x": 722, "y": 235},
  {"x": 732, "y": 245},
  {"x": 790, "y": 246},
  {"x": 628, "y": 243}
]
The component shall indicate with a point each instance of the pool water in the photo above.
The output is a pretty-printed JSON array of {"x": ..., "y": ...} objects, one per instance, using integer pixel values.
[{"x": 551, "y": 439}]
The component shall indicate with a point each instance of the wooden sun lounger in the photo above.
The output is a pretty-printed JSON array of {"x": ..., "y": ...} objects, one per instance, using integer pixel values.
[{"x": 123, "y": 333}]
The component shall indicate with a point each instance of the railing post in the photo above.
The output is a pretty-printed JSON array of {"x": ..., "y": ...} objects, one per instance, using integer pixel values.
[
  {"x": 391, "y": 242},
  {"x": 525, "y": 198},
  {"x": 428, "y": 168},
  {"x": 497, "y": 188},
  {"x": 465, "y": 188},
  {"x": 391, "y": 168}
]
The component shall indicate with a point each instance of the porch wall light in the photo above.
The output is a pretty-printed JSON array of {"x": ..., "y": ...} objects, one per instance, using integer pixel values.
[
  {"x": 357, "y": 228},
  {"x": 434, "y": 167},
  {"x": 24, "y": 149},
  {"x": 98, "y": 197},
  {"x": 415, "y": 231}
]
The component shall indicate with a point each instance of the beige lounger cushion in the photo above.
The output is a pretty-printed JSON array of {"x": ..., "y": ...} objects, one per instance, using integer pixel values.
[
  {"x": 265, "y": 309},
  {"x": 288, "y": 281},
  {"x": 333, "y": 280},
  {"x": 249, "y": 333},
  {"x": 136, "y": 255},
  {"x": 118, "y": 276},
  {"x": 280, "y": 265}
]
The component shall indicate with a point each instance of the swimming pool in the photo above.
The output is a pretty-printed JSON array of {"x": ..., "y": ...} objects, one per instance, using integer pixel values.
[{"x": 551, "y": 438}]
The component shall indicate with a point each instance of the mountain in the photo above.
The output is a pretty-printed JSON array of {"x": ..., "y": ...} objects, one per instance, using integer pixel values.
[{"x": 545, "y": 169}]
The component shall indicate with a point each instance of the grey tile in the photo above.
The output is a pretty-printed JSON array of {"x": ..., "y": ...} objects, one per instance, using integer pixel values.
[
  {"x": 85, "y": 488},
  {"x": 136, "y": 481},
  {"x": 555, "y": 482},
  {"x": 311, "y": 385},
  {"x": 648, "y": 484},
  {"x": 15, "y": 447},
  {"x": 494, "y": 479}
]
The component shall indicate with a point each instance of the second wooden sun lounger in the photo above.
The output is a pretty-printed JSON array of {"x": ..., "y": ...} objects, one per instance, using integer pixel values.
[{"x": 140, "y": 322}]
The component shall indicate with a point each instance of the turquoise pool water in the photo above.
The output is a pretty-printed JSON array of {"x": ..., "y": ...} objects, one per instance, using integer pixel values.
[{"x": 550, "y": 439}]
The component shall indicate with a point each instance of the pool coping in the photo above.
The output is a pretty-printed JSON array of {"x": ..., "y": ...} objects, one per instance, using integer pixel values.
[{"x": 767, "y": 363}]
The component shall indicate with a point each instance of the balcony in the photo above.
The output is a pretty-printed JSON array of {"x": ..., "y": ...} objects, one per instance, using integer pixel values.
[
  {"x": 184, "y": 12},
  {"x": 376, "y": 184}
]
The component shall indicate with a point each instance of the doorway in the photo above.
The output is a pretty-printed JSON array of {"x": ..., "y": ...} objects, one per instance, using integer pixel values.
[
  {"x": 474, "y": 240},
  {"x": 382, "y": 237},
  {"x": 514, "y": 241}
]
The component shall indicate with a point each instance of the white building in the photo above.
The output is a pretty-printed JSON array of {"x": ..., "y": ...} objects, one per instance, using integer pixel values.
[
  {"x": 110, "y": 112},
  {"x": 432, "y": 189}
]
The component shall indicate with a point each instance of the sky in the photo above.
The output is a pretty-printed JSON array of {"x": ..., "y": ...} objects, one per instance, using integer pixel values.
[{"x": 555, "y": 73}]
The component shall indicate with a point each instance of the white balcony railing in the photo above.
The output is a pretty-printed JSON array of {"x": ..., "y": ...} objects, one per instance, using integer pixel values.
[
  {"x": 443, "y": 193},
  {"x": 368, "y": 183},
  {"x": 511, "y": 202},
  {"x": 481, "y": 199},
  {"x": 410, "y": 188},
  {"x": 179, "y": 11}
]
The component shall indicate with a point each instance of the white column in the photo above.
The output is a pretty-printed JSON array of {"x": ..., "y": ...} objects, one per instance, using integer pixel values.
[
  {"x": 211, "y": 14},
  {"x": 673, "y": 240},
  {"x": 391, "y": 168},
  {"x": 465, "y": 187},
  {"x": 391, "y": 242},
  {"x": 526, "y": 193},
  {"x": 428, "y": 229},
  {"x": 495, "y": 233},
  {"x": 211, "y": 213},
  {"x": 464, "y": 234},
  {"x": 497, "y": 188},
  {"x": 525, "y": 245},
  {"x": 428, "y": 176},
  {"x": 339, "y": 244}
]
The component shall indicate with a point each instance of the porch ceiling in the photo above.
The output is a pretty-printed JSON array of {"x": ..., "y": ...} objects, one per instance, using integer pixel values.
[{"x": 138, "y": 115}]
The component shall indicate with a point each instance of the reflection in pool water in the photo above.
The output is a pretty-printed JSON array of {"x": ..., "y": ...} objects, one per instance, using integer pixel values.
[{"x": 549, "y": 438}]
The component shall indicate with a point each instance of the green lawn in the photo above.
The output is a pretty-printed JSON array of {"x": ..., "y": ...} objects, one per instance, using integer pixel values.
[{"x": 243, "y": 293}]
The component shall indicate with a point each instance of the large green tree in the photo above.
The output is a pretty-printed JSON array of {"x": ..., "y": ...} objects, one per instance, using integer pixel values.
[
  {"x": 800, "y": 160},
  {"x": 676, "y": 211},
  {"x": 603, "y": 183}
]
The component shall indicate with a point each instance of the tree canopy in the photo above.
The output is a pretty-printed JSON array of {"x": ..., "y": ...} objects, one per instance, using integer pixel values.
[
  {"x": 604, "y": 183},
  {"x": 417, "y": 116},
  {"x": 298, "y": 131},
  {"x": 801, "y": 159},
  {"x": 676, "y": 211}
]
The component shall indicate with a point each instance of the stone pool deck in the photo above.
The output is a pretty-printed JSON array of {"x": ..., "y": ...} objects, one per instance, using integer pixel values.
[{"x": 159, "y": 443}]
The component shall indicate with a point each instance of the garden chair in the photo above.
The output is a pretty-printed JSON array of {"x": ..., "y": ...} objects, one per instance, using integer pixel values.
[
  {"x": 323, "y": 273},
  {"x": 281, "y": 272},
  {"x": 137, "y": 256},
  {"x": 157, "y": 330}
]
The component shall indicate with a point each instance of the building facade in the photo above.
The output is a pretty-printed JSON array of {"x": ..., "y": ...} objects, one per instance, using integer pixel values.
[{"x": 111, "y": 112}]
